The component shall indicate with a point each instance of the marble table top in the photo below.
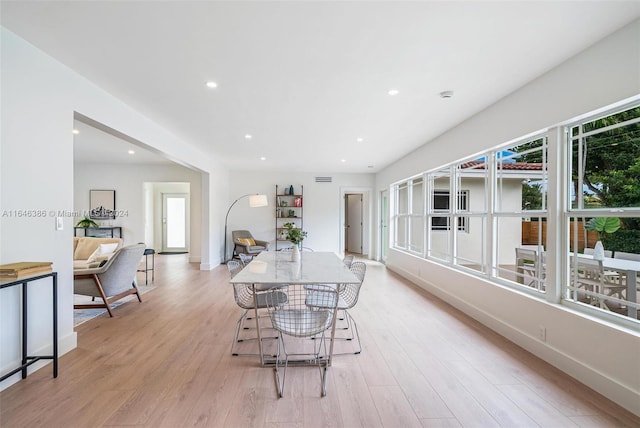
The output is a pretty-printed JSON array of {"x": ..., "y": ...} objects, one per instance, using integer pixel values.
[{"x": 276, "y": 267}]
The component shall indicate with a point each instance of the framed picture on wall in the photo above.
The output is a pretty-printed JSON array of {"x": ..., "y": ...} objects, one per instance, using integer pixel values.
[{"x": 102, "y": 204}]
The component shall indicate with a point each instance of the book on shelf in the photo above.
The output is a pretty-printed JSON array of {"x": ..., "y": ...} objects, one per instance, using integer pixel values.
[{"x": 22, "y": 269}]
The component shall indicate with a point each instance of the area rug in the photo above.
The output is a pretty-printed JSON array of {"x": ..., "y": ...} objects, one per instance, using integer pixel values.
[{"x": 83, "y": 315}]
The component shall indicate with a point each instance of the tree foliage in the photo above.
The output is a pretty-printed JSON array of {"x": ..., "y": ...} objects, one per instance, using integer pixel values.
[{"x": 611, "y": 160}]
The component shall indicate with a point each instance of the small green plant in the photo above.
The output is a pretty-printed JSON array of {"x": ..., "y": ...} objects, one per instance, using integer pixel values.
[
  {"x": 87, "y": 222},
  {"x": 603, "y": 225},
  {"x": 294, "y": 234}
]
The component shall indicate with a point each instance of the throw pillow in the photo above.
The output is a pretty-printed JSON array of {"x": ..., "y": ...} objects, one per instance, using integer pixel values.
[
  {"x": 102, "y": 249},
  {"x": 247, "y": 241}
]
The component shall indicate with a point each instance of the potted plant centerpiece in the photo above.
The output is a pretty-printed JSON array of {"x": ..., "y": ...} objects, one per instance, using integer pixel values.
[
  {"x": 295, "y": 235},
  {"x": 602, "y": 225}
]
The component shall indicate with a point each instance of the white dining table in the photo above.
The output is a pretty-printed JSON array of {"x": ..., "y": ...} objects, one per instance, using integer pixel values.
[
  {"x": 630, "y": 268},
  {"x": 274, "y": 269}
]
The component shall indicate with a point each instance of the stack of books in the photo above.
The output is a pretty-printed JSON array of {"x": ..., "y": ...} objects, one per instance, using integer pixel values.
[{"x": 23, "y": 269}]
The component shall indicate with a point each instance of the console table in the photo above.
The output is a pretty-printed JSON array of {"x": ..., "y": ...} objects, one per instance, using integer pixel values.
[
  {"x": 27, "y": 360},
  {"x": 100, "y": 232}
]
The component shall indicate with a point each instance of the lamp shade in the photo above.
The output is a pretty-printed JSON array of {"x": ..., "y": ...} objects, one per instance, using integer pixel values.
[{"x": 256, "y": 201}]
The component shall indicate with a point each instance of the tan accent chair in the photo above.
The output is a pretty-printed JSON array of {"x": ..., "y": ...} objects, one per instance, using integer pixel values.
[
  {"x": 112, "y": 281},
  {"x": 240, "y": 238}
]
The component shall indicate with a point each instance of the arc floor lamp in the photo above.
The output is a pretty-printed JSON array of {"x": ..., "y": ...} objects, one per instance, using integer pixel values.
[{"x": 256, "y": 200}]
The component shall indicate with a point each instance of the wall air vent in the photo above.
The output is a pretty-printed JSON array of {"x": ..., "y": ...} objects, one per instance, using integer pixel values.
[{"x": 324, "y": 179}]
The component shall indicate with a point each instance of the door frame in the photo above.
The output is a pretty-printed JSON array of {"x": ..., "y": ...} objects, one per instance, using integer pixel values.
[
  {"x": 367, "y": 218},
  {"x": 164, "y": 222},
  {"x": 349, "y": 227}
]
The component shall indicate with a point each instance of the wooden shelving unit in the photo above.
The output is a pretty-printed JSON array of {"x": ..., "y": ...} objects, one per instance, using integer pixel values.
[{"x": 289, "y": 209}]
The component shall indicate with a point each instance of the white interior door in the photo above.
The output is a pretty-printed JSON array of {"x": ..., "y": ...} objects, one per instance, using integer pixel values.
[
  {"x": 354, "y": 223},
  {"x": 174, "y": 222}
]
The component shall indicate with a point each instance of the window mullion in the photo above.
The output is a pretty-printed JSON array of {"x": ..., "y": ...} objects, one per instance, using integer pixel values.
[
  {"x": 556, "y": 167},
  {"x": 453, "y": 208},
  {"x": 491, "y": 242}
]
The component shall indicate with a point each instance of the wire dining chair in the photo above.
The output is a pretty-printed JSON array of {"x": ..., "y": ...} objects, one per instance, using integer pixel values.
[
  {"x": 245, "y": 259},
  {"x": 347, "y": 260},
  {"x": 348, "y": 297},
  {"x": 306, "y": 313},
  {"x": 244, "y": 298},
  {"x": 349, "y": 294}
]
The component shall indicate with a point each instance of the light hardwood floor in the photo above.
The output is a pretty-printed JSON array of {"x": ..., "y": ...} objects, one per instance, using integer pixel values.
[{"x": 166, "y": 363}]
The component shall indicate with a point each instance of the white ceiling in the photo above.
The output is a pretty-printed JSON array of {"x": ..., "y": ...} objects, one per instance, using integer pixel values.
[
  {"x": 92, "y": 145},
  {"x": 306, "y": 79}
]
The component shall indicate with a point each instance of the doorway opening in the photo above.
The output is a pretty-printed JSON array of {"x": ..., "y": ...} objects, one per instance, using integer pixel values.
[
  {"x": 166, "y": 216},
  {"x": 353, "y": 224},
  {"x": 355, "y": 221}
]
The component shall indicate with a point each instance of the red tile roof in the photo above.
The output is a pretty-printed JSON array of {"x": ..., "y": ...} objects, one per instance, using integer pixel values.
[{"x": 505, "y": 166}]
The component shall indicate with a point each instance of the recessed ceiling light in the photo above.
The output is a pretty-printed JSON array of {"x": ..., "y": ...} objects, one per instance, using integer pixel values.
[
  {"x": 446, "y": 94},
  {"x": 343, "y": 160},
  {"x": 247, "y": 136},
  {"x": 75, "y": 131},
  {"x": 263, "y": 158},
  {"x": 393, "y": 92},
  {"x": 131, "y": 152},
  {"x": 211, "y": 84},
  {"x": 359, "y": 139}
]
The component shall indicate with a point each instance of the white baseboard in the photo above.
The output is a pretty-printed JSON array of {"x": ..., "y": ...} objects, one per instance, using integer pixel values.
[
  {"x": 569, "y": 364},
  {"x": 65, "y": 344}
]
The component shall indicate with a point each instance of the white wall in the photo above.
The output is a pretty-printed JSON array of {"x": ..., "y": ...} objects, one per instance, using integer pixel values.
[
  {"x": 603, "y": 356},
  {"x": 39, "y": 97},
  {"x": 322, "y": 202},
  {"x": 129, "y": 182}
]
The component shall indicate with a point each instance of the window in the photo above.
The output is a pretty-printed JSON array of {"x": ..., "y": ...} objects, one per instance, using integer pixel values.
[
  {"x": 401, "y": 210},
  {"x": 441, "y": 202},
  {"x": 520, "y": 213},
  {"x": 603, "y": 206},
  {"x": 408, "y": 218},
  {"x": 416, "y": 222},
  {"x": 502, "y": 216}
]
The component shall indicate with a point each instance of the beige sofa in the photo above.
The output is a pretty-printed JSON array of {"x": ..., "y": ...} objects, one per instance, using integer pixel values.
[{"x": 89, "y": 252}]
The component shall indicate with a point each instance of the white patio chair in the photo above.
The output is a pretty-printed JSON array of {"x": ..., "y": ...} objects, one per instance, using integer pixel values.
[
  {"x": 528, "y": 270},
  {"x": 590, "y": 276}
]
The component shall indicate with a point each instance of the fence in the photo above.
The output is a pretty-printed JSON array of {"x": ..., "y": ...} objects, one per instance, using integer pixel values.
[{"x": 530, "y": 230}]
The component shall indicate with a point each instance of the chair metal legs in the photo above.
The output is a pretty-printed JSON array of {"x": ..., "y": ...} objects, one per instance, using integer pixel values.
[
  {"x": 351, "y": 322},
  {"x": 351, "y": 327},
  {"x": 318, "y": 356},
  {"x": 237, "y": 339}
]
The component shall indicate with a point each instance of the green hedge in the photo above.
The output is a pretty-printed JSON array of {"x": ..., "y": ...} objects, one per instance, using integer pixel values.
[{"x": 623, "y": 240}]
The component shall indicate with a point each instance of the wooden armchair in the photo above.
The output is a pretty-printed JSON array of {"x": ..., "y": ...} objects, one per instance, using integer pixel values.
[{"x": 112, "y": 281}]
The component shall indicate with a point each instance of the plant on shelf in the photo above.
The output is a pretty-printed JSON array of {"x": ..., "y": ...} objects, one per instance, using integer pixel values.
[
  {"x": 294, "y": 234},
  {"x": 87, "y": 222}
]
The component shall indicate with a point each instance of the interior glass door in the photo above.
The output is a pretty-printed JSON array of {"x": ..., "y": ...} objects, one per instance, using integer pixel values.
[{"x": 174, "y": 221}]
